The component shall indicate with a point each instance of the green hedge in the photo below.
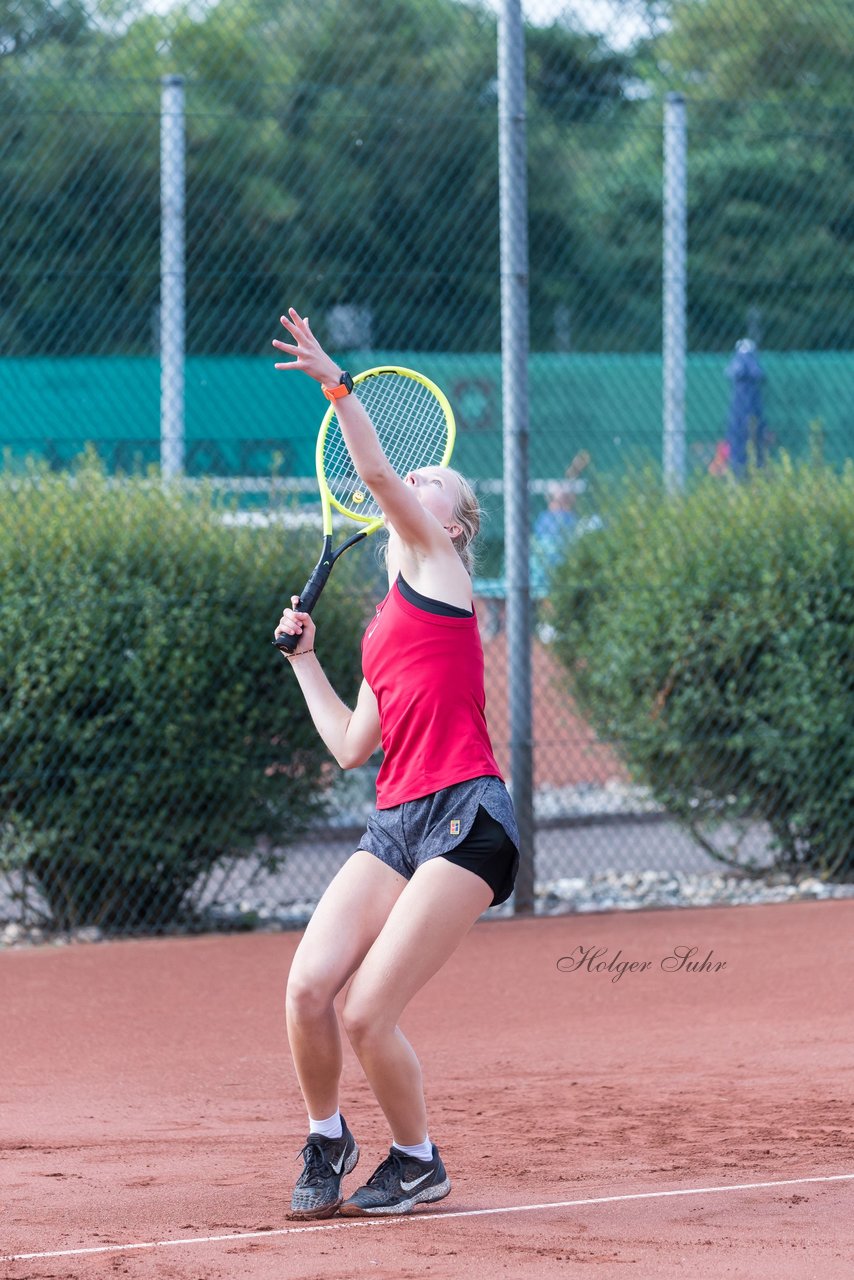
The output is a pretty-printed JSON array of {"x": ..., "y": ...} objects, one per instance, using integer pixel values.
[
  {"x": 148, "y": 728},
  {"x": 711, "y": 637}
]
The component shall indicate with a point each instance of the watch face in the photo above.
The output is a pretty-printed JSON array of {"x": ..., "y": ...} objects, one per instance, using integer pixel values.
[{"x": 347, "y": 381}]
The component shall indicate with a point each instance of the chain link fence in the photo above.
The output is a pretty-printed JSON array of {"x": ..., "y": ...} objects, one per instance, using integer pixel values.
[{"x": 175, "y": 176}]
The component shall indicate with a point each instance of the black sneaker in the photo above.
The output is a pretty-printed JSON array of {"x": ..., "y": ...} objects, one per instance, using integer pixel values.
[
  {"x": 398, "y": 1185},
  {"x": 317, "y": 1193}
]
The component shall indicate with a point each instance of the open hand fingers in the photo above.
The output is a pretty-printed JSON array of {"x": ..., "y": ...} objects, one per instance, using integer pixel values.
[
  {"x": 286, "y": 346},
  {"x": 295, "y": 323},
  {"x": 288, "y": 350},
  {"x": 308, "y": 355},
  {"x": 299, "y": 329}
]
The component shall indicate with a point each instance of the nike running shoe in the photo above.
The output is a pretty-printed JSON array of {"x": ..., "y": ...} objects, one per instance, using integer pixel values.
[
  {"x": 398, "y": 1185},
  {"x": 317, "y": 1193}
]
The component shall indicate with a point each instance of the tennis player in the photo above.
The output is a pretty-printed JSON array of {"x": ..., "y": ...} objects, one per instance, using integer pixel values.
[{"x": 442, "y": 844}]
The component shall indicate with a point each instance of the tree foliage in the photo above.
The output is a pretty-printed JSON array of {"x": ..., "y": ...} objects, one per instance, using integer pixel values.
[
  {"x": 711, "y": 636},
  {"x": 148, "y": 728},
  {"x": 356, "y": 163}
]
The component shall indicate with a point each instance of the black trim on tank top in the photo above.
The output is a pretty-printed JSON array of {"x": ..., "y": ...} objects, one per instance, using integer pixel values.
[{"x": 411, "y": 596}]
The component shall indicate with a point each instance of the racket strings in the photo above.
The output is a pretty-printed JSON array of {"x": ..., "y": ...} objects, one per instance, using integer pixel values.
[{"x": 412, "y": 429}]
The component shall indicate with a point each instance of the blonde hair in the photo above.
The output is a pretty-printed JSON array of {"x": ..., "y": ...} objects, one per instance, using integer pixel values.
[{"x": 467, "y": 514}]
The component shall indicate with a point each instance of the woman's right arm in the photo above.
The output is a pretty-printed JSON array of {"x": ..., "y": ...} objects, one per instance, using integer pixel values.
[{"x": 351, "y": 736}]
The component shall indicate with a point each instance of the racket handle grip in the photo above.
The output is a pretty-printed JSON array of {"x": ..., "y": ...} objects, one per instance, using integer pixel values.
[
  {"x": 286, "y": 642},
  {"x": 309, "y": 596}
]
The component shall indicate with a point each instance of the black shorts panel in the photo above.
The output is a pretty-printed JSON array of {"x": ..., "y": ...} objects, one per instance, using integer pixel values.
[{"x": 489, "y": 852}]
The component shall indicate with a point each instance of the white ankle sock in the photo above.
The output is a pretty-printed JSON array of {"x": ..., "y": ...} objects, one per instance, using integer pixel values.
[
  {"x": 331, "y": 1128},
  {"x": 421, "y": 1151}
]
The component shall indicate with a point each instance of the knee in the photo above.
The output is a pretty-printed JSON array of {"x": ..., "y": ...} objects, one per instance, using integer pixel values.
[
  {"x": 362, "y": 1022},
  {"x": 308, "y": 998}
]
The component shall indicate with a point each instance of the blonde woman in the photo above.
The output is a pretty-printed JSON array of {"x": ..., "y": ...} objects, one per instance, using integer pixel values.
[{"x": 442, "y": 844}]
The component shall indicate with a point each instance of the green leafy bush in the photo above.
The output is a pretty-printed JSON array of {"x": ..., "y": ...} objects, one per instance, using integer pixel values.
[
  {"x": 711, "y": 637},
  {"x": 148, "y": 728}
]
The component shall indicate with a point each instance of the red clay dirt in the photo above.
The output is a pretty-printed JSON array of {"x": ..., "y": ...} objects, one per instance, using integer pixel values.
[
  {"x": 567, "y": 752},
  {"x": 146, "y": 1094}
]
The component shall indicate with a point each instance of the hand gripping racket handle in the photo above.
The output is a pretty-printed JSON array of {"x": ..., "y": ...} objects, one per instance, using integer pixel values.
[
  {"x": 320, "y": 573},
  {"x": 309, "y": 597}
]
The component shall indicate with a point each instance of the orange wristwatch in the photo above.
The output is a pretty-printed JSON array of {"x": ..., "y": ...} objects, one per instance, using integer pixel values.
[{"x": 345, "y": 386}]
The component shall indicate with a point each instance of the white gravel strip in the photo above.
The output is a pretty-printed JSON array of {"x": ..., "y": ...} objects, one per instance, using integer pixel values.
[
  {"x": 632, "y": 891},
  {"x": 606, "y": 891}
]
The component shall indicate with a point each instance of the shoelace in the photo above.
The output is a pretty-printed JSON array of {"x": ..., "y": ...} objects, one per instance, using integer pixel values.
[
  {"x": 317, "y": 1164},
  {"x": 393, "y": 1163}
]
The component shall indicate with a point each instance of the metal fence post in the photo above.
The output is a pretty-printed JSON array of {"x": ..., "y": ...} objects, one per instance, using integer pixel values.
[
  {"x": 513, "y": 188},
  {"x": 172, "y": 276},
  {"x": 674, "y": 291}
]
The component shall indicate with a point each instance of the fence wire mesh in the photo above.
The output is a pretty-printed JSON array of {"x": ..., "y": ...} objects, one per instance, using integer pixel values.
[{"x": 344, "y": 160}]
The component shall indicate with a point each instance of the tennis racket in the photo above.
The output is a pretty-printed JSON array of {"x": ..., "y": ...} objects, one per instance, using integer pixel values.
[{"x": 415, "y": 426}]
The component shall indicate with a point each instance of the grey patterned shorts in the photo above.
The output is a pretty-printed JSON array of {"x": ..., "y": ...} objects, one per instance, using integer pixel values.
[{"x": 471, "y": 823}]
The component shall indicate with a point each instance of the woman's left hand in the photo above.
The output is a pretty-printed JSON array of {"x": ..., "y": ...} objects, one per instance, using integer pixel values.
[{"x": 310, "y": 356}]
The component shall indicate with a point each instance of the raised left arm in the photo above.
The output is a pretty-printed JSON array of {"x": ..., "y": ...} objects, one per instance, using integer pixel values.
[{"x": 415, "y": 526}]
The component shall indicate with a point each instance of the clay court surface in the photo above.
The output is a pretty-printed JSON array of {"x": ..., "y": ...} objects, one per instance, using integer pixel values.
[
  {"x": 147, "y": 1099},
  {"x": 566, "y": 750}
]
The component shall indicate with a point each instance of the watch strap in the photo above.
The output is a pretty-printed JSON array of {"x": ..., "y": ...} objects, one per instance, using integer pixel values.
[{"x": 344, "y": 387}]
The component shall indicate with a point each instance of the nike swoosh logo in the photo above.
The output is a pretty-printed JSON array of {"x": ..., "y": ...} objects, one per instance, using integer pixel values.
[
  {"x": 410, "y": 1186},
  {"x": 336, "y": 1168}
]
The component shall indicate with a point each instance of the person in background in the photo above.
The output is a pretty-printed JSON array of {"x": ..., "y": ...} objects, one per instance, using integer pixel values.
[
  {"x": 558, "y": 524},
  {"x": 555, "y": 526}
]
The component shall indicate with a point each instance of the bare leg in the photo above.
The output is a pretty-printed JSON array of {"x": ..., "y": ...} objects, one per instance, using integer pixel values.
[
  {"x": 426, "y": 925},
  {"x": 344, "y": 925}
]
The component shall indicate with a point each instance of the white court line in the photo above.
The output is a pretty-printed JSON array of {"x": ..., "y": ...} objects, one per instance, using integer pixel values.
[{"x": 424, "y": 1217}]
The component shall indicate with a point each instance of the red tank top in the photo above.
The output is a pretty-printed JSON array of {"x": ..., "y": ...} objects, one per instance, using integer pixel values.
[{"x": 426, "y": 672}]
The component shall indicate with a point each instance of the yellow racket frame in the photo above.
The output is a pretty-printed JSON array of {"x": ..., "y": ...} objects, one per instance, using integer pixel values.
[{"x": 329, "y": 501}]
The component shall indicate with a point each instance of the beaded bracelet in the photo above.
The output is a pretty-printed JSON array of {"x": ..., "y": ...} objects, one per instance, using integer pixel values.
[{"x": 298, "y": 655}]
